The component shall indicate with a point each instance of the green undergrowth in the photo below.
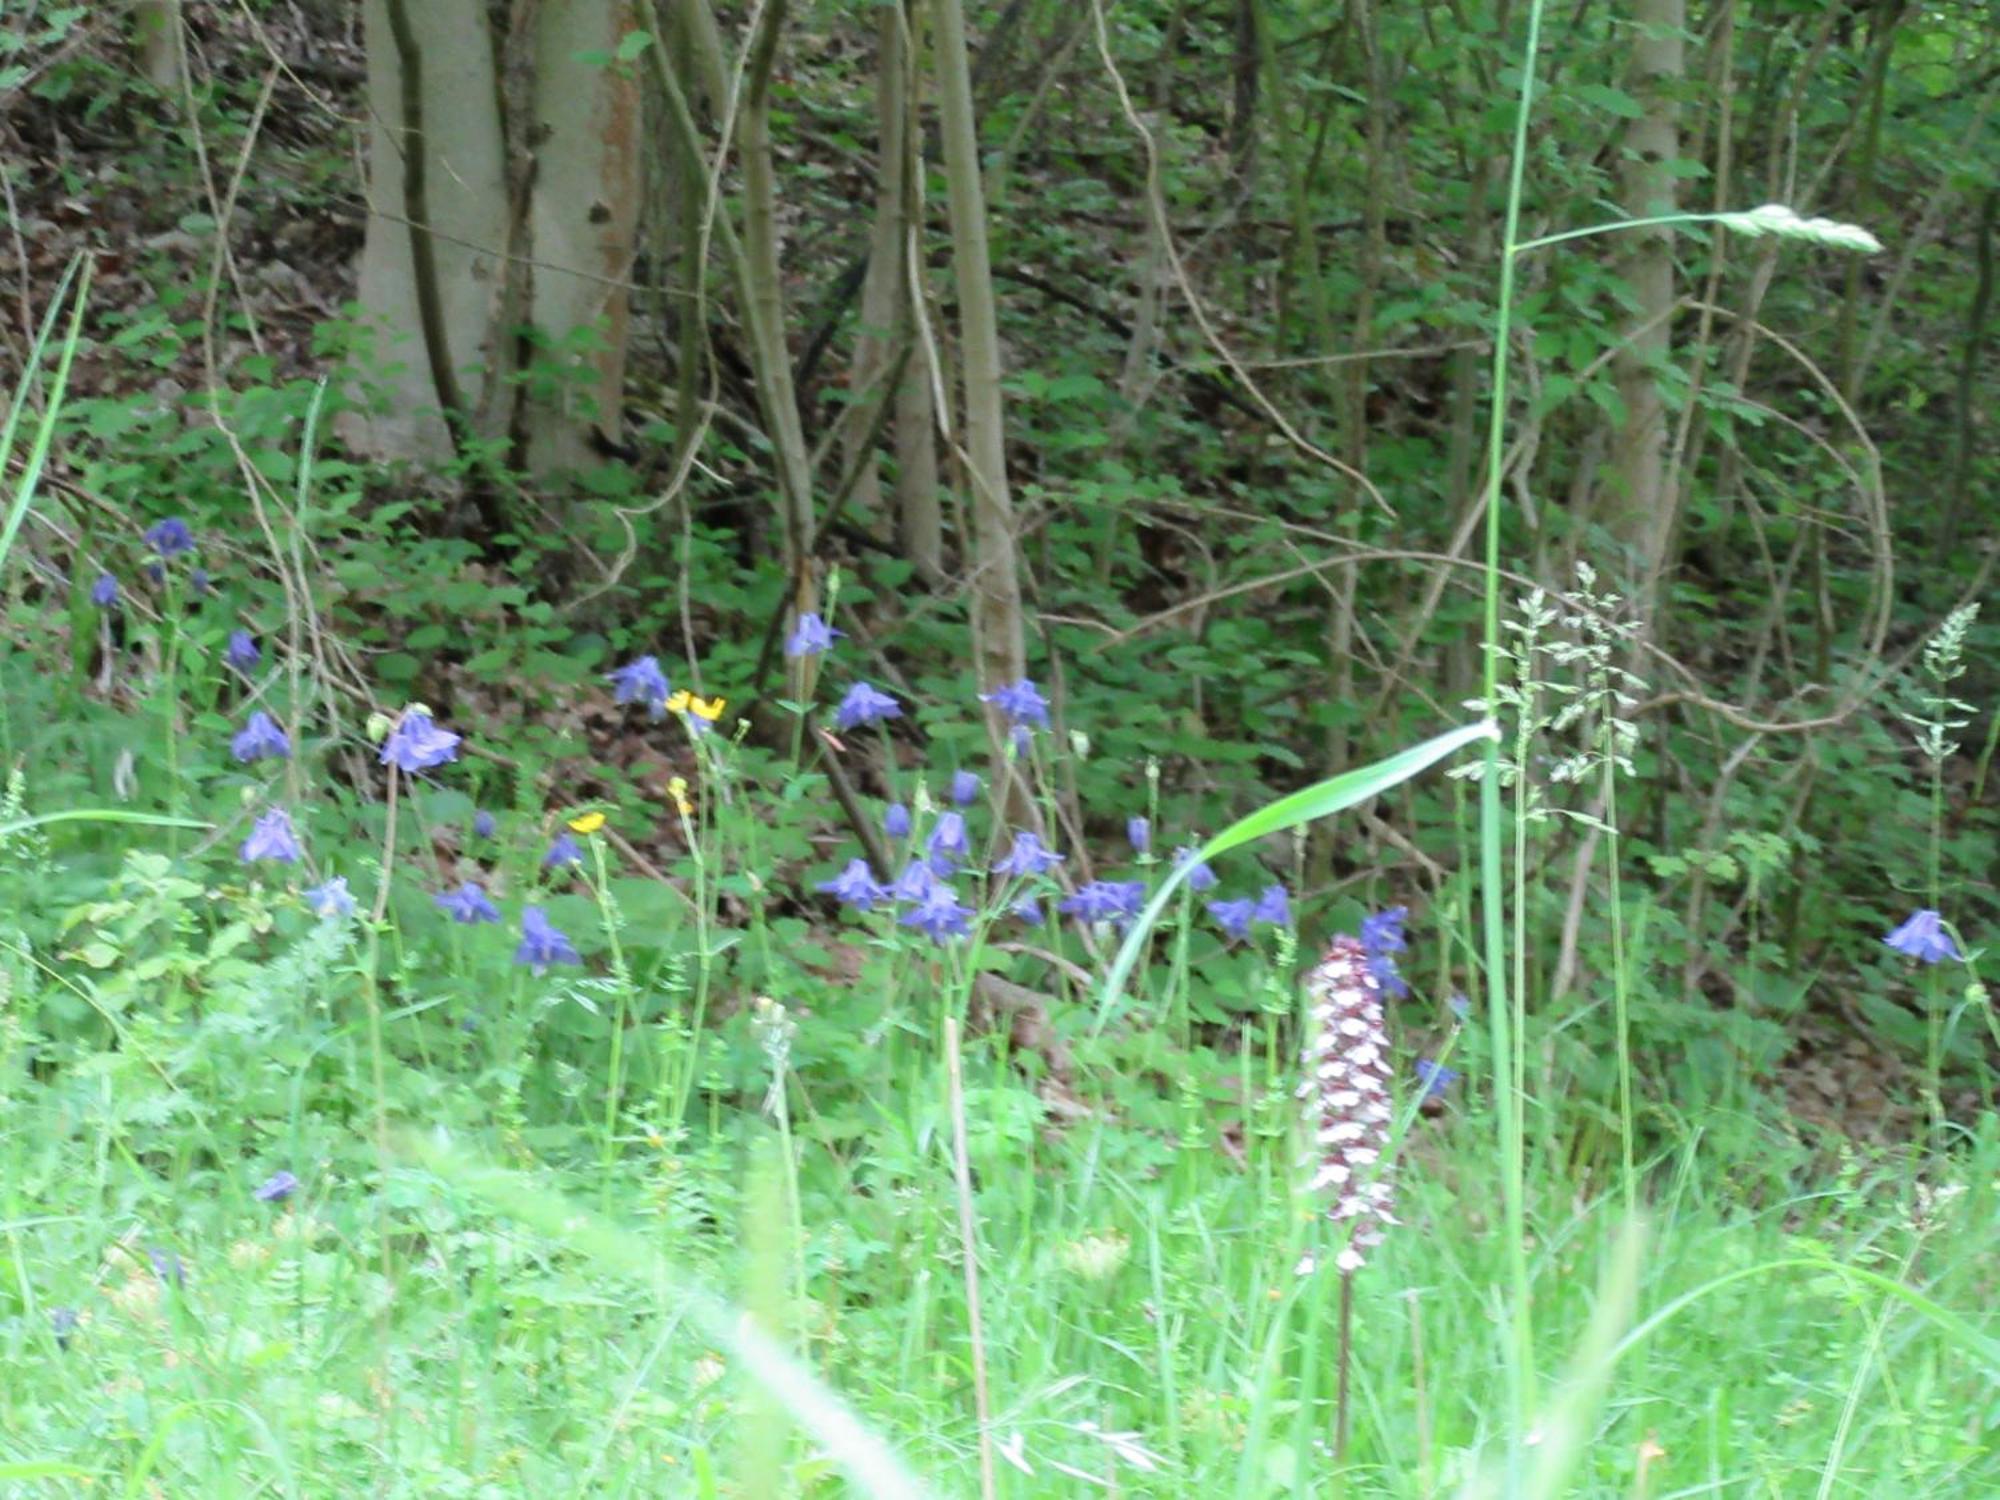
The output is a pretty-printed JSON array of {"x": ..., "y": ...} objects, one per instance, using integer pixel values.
[{"x": 388, "y": 1331}]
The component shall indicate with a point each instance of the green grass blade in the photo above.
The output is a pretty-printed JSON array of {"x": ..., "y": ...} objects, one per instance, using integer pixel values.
[
  {"x": 98, "y": 815},
  {"x": 31, "y": 469},
  {"x": 875, "y": 1469},
  {"x": 44, "y": 1469},
  {"x": 33, "y": 362},
  {"x": 1978, "y": 1345},
  {"x": 1320, "y": 800}
]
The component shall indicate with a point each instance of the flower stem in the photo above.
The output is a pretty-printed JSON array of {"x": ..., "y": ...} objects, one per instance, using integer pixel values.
[{"x": 1507, "y": 1091}]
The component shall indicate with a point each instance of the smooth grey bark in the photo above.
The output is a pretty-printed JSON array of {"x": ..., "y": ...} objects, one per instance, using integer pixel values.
[
  {"x": 466, "y": 203},
  {"x": 156, "y": 39},
  {"x": 764, "y": 308},
  {"x": 998, "y": 632},
  {"x": 583, "y": 225},
  {"x": 888, "y": 316},
  {"x": 503, "y": 190},
  {"x": 1638, "y": 507}
]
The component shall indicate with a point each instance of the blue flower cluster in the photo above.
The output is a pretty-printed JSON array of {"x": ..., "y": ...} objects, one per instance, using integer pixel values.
[
  {"x": 165, "y": 540},
  {"x": 415, "y": 745},
  {"x": 926, "y": 901}
]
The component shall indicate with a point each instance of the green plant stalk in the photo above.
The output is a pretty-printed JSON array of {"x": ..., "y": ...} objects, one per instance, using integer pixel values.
[
  {"x": 704, "y": 968},
  {"x": 378, "y": 1077},
  {"x": 1621, "y": 991},
  {"x": 1507, "y": 1095},
  {"x": 170, "y": 626},
  {"x": 1933, "y": 1000},
  {"x": 614, "y": 1094},
  {"x": 795, "y": 1221},
  {"x": 1615, "y": 225}
]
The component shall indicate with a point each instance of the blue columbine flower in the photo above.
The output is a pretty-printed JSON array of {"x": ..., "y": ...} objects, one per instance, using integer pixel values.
[
  {"x": 167, "y": 1266},
  {"x": 1027, "y": 908},
  {"x": 1382, "y": 939},
  {"x": 1923, "y": 937},
  {"x": 542, "y": 944},
  {"x": 1199, "y": 876},
  {"x": 947, "y": 845},
  {"x": 642, "y": 681},
  {"x": 484, "y": 825},
  {"x": 1105, "y": 900},
  {"x": 62, "y": 1323},
  {"x": 811, "y": 636},
  {"x": 856, "y": 886},
  {"x": 896, "y": 821},
  {"x": 964, "y": 787},
  {"x": 241, "y": 652},
  {"x": 260, "y": 737},
  {"x": 417, "y": 744},
  {"x": 1233, "y": 917},
  {"x": 916, "y": 882},
  {"x": 198, "y": 581},
  {"x": 276, "y": 1188},
  {"x": 271, "y": 837},
  {"x": 1435, "y": 1077},
  {"x": 563, "y": 851},
  {"x": 865, "y": 704},
  {"x": 1382, "y": 931},
  {"x": 331, "y": 898},
  {"x": 1273, "y": 906},
  {"x": 1139, "y": 834},
  {"x": 938, "y": 914},
  {"x": 1028, "y": 857},
  {"x": 170, "y": 538},
  {"x": 468, "y": 904},
  {"x": 104, "y": 592},
  {"x": 1021, "y": 703}
]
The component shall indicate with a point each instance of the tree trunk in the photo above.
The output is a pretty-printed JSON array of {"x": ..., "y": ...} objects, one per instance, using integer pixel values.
[
  {"x": 1639, "y": 509},
  {"x": 888, "y": 316},
  {"x": 503, "y": 195},
  {"x": 156, "y": 38},
  {"x": 998, "y": 634},
  {"x": 435, "y": 330},
  {"x": 764, "y": 306},
  {"x": 583, "y": 223}
]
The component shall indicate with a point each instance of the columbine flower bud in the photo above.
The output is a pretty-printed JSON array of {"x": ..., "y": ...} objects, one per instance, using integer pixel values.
[{"x": 1346, "y": 1092}]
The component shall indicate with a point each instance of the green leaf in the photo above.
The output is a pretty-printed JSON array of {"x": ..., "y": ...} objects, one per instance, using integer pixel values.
[
  {"x": 1613, "y": 101},
  {"x": 1320, "y": 800}
]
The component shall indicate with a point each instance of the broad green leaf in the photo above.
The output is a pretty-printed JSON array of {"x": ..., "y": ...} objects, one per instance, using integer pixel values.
[{"x": 1320, "y": 800}]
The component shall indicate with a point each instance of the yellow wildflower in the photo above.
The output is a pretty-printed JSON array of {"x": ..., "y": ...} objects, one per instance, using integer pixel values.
[
  {"x": 684, "y": 702},
  {"x": 677, "y": 789},
  {"x": 590, "y": 822}
]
